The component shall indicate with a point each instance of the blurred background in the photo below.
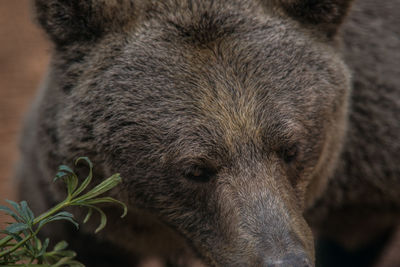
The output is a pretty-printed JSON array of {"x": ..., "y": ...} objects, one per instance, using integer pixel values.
[{"x": 24, "y": 55}]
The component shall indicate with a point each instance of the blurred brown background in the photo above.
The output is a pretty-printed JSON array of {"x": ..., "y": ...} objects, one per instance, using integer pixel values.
[{"x": 24, "y": 55}]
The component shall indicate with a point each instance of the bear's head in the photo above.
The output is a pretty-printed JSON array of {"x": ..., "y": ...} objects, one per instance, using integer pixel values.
[{"x": 224, "y": 118}]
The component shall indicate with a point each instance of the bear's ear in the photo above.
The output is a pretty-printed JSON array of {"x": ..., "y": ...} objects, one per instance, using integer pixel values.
[
  {"x": 70, "y": 21},
  {"x": 327, "y": 15}
]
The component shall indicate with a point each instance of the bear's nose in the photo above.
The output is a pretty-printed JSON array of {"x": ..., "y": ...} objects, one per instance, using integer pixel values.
[{"x": 291, "y": 260}]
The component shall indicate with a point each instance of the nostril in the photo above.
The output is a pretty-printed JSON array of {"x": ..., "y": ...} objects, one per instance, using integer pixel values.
[{"x": 291, "y": 260}]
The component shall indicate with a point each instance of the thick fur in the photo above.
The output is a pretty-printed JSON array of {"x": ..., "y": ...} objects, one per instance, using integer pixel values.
[{"x": 236, "y": 126}]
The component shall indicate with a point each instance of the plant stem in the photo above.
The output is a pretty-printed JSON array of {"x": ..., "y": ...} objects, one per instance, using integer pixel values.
[
  {"x": 5, "y": 240},
  {"x": 40, "y": 218},
  {"x": 19, "y": 244},
  {"x": 53, "y": 210}
]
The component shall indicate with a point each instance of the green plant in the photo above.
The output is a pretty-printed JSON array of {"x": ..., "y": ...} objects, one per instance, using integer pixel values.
[{"x": 21, "y": 247}]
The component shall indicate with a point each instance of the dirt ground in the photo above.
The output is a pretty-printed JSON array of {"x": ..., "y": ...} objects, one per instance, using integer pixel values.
[{"x": 24, "y": 55}]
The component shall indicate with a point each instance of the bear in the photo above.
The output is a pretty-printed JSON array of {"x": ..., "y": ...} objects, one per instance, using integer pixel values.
[{"x": 247, "y": 132}]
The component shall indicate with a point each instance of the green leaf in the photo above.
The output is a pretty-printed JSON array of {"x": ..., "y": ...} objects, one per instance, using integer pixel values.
[
  {"x": 63, "y": 215},
  {"x": 70, "y": 178},
  {"x": 43, "y": 247},
  {"x": 38, "y": 243},
  {"x": 63, "y": 261},
  {"x": 60, "y": 218},
  {"x": 15, "y": 228},
  {"x": 72, "y": 183},
  {"x": 108, "y": 200},
  {"x": 103, "y": 218},
  {"x": 62, "y": 258},
  {"x": 103, "y": 187},
  {"x": 14, "y": 204},
  {"x": 88, "y": 215},
  {"x": 27, "y": 212},
  {"x": 60, "y": 246},
  {"x": 66, "y": 253},
  {"x": 17, "y": 209},
  {"x": 59, "y": 175},
  {"x": 65, "y": 168},
  {"x": 10, "y": 212},
  {"x": 88, "y": 179},
  {"x": 86, "y": 159}
]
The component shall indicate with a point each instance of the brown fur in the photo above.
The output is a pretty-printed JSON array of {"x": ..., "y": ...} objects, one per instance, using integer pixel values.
[{"x": 227, "y": 121}]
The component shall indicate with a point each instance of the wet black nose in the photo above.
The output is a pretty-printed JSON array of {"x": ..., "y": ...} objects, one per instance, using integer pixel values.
[{"x": 291, "y": 260}]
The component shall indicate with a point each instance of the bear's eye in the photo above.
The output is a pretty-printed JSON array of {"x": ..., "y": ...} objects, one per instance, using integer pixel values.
[
  {"x": 289, "y": 154},
  {"x": 200, "y": 174}
]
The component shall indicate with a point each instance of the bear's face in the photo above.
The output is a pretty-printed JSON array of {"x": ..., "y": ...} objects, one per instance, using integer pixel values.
[{"x": 224, "y": 120}]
